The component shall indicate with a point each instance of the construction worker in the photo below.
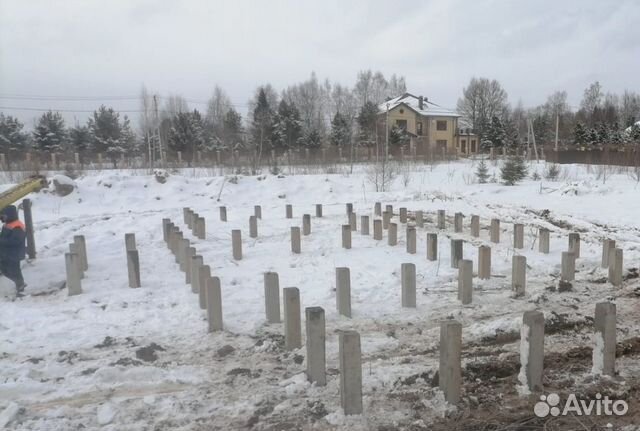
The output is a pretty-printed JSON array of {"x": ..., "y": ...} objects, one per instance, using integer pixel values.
[{"x": 12, "y": 247}]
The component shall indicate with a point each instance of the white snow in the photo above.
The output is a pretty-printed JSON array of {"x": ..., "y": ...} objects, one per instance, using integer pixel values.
[
  {"x": 57, "y": 362},
  {"x": 63, "y": 180},
  {"x": 8, "y": 414}
]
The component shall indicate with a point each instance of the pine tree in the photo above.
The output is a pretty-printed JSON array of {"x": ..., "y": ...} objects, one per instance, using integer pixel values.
[
  {"x": 340, "y": 131},
  {"x": 106, "y": 133},
  {"x": 311, "y": 139},
  {"x": 603, "y": 134},
  {"x": 231, "y": 130},
  {"x": 80, "y": 139},
  {"x": 129, "y": 141},
  {"x": 262, "y": 123},
  {"x": 496, "y": 134},
  {"x": 287, "y": 127},
  {"x": 513, "y": 170},
  {"x": 367, "y": 118},
  {"x": 187, "y": 134},
  {"x": 482, "y": 172},
  {"x": 634, "y": 134},
  {"x": 398, "y": 137},
  {"x": 12, "y": 139},
  {"x": 580, "y": 134},
  {"x": 615, "y": 135},
  {"x": 50, "y": 134}
]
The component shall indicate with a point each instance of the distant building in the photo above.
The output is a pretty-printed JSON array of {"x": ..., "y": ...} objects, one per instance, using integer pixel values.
[{"x": 430, "y": 127}]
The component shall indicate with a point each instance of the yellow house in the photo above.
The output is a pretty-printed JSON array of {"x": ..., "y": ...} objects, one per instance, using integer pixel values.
[{"x": 431, "y": 128}]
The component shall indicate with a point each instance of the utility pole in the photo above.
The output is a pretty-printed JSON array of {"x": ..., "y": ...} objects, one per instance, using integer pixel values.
[
  {"x": 557, "y": 122},
  {"x": 533, "y": 138},
  {"x": 157, "y": 131},
  {"x": 386, "y": 151}
]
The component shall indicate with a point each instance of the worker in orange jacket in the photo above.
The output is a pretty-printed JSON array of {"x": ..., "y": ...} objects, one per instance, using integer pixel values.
[{"x": 12, "y": 247}]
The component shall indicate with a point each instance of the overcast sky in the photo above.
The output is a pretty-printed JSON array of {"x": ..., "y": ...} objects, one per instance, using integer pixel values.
[{"x": 110, "y": 48}]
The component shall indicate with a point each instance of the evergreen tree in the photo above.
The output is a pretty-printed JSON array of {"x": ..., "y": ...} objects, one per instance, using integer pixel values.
[
  {"x": 592, "y": 137},
  {"x": 603, "y": 134},
  {"x": 580, "y": 134},
  {"x": 340, "y": 131},
  {"x": 367, "y": 119},
  {"x": 398, "y": 137},
  {"x": 106, "y": 133},
  {"x": 311, "y": 139},
  {"x": 634, "y": 134},
  {"x": 187, "y": 134},
  {"x": 130, "y": 142},
  {"x": 496, "y": 135},
  {"x": 482, "y": 172},
  {"x": 11, "y": 136},
  {"x": 262, "y": 122},
  {"x": 287, "y": 127},
  {"x": 615, "y": 135},
  {"x": 231, "y": 130},
  {"x": 80, "y": 139},
  {"x": 50, "y": 134},
  {"x": 513, "y": 170}
]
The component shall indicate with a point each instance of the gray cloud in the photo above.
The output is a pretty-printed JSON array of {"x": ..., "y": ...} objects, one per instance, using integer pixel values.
[{"x": 83, "y": 48}]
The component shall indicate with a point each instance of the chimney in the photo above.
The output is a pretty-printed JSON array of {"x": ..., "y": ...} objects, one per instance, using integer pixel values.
[{"x": 420, "y": 103}]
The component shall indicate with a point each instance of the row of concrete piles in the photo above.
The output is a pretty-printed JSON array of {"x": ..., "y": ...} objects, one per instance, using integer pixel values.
[
  {"x": 451, "y": 331},
  {"x": 349, "y": 350},
  {"x": 450, "y": 379},
  {"x": 197, "y": 274},
  {"x": 76, "y": 263}
]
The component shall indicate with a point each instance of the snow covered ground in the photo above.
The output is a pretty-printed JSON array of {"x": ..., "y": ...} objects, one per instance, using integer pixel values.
[{"x": 140, "y": 359}]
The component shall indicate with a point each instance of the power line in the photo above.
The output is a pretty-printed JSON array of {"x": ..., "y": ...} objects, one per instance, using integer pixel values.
[{"x": 98, "y": 98}]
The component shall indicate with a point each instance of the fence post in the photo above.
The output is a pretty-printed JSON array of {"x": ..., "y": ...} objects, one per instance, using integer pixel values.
[{"x": 28, "y": 221}]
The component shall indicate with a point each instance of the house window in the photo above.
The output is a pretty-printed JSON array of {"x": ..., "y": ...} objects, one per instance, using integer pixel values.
[
  {"x": 402, "y": 124},
  {"x": 464, "y": 147},
  {"x": 419, "y": 128},
  {"x": 441, "y": 143},
  {"x": 401, "y": 111},
  {"x": 464, "y": 142},
  {"x": 441, "y": 125},
  {"x": 473, "y": 146}
]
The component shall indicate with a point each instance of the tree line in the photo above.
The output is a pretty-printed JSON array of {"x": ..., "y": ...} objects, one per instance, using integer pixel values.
[
  {"x": 602, "y": 118},
  {"x": 313, "y": 113},
  {"x": 305, "y": 115}
]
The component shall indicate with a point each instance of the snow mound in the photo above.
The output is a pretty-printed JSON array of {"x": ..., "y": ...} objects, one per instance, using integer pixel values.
[
  {"x": 63, "y": 185},
  {"x": 582, "y": 188}
]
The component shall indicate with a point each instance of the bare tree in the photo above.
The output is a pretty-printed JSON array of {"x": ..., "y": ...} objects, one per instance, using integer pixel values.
[
  {"x": 592, "y": 98},
  {"x": 629, "y": 108},
  {"x": 217, "y": 107},
  {"x": 174, "y": 104},
  {"x": 481, "y": 100}
]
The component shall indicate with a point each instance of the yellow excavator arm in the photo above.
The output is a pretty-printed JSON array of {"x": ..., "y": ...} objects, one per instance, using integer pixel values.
[{"x": 21, "y": 190}]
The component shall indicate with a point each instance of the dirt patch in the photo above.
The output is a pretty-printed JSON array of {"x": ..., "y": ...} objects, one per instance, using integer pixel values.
[
  {"x": 126, "y": 362},
  {"x": 148, "y": 353},
  {"x": 240, "y": 372},
  {"x": 505, "y": 367},
  {"x": 107, "y": 342},
  {"x": 414, "y": 378},
  {"x": 68, "y": 357},
  {"x": 225, "y": 350},
  {"x": 563, "y": 224}
]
